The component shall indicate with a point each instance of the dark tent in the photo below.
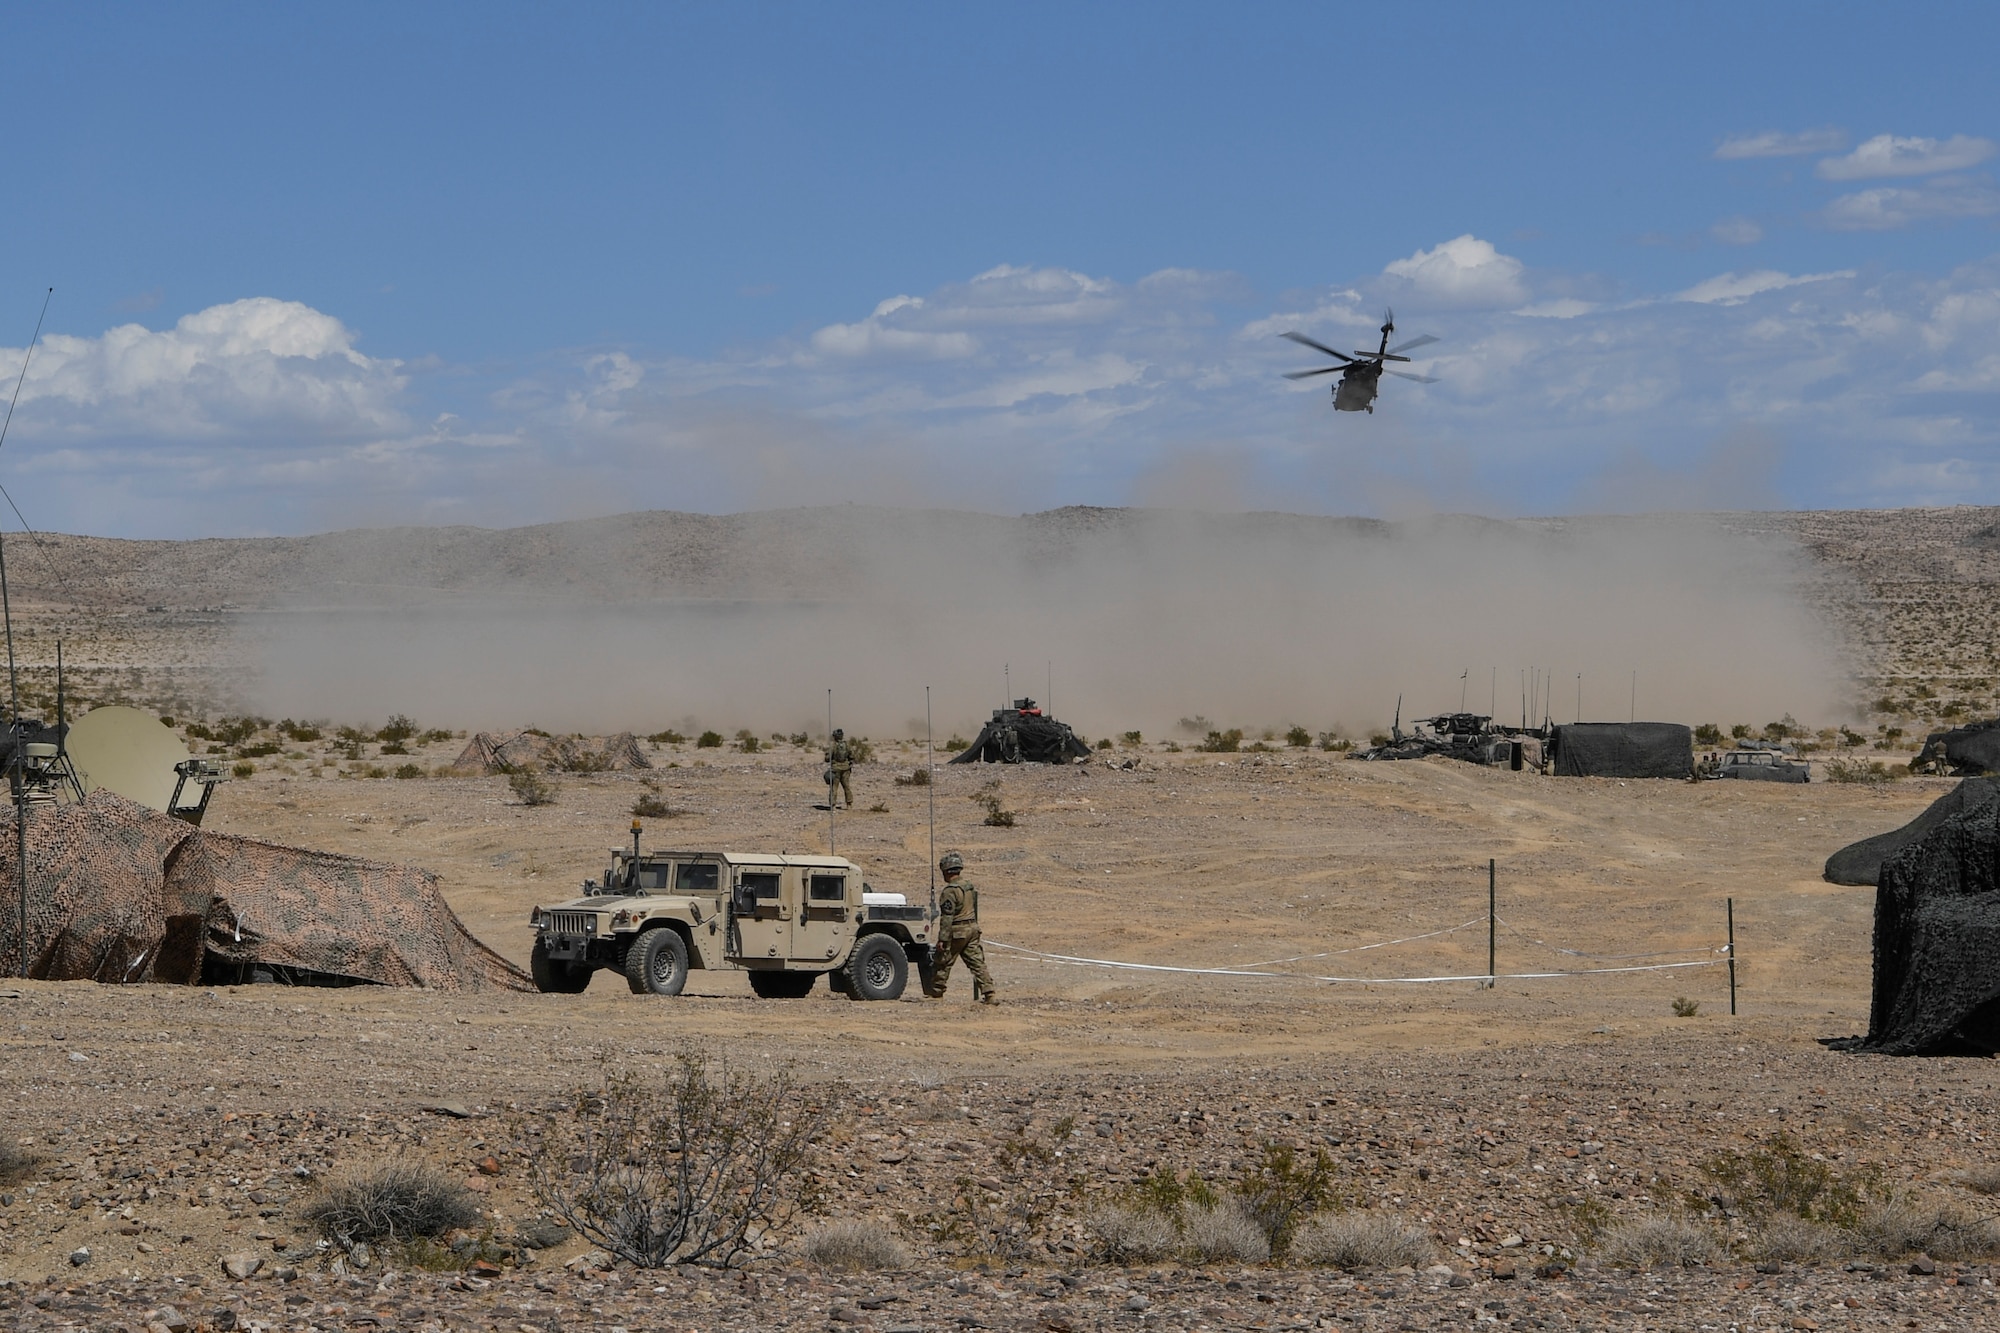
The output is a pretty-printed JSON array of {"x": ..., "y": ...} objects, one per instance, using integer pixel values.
[
  {"x": 1623, "y": 750},
  {"x": 1937, "y": 940},
  {"x": 1964, "y": 752},
  {"x": 1023, "y": 735},
  {"x": 1860, "y": 863}
]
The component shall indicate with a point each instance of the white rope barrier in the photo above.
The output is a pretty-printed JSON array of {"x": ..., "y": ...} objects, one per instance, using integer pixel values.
[{"x": 1074, "y": 960}]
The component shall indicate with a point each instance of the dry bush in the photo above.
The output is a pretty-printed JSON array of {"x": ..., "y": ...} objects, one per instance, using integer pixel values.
[
  {"x": 1362, "y": 1240},
  {"x": 1226, "y": 1233},
  {"x": 1913, "y": 1224},
  {"x": 917, "y": 777},
  {"x": 1981, "y": 1179},
  {"x": 1844, "y": 769},
  {"x": 530, "y": 787},
  {"x": 16, "y": 1163},
  {"x": 855, "y": 1246},
  {"x": 1787, "y": 1238},
  {"x": 651, "y": 807},
  {"x": 683, "y": 1170},
  {"x": 1132, "y": 1235},
  {"x": 399, "y": 1202},
  {"x": 1661, "y": 1242}
]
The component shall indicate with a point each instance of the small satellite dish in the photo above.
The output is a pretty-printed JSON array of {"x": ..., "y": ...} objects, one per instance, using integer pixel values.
[{"x": 127, "y": 751}]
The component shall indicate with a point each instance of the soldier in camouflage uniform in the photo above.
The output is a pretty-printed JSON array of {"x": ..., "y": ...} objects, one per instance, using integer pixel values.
[
  {"x": 958, "y": 935},
  {"x": 839, "y": 762}
]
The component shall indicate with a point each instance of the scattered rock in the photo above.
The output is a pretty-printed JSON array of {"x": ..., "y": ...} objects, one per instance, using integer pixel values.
[
  {"x": 242, "y": 1265},
  {"x": 79, "y": 1256},
  {"x": 1923, "y": 1266}
]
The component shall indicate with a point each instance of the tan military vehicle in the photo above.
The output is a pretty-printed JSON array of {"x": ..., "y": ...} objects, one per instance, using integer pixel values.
[{"x": 786, "y": 920}]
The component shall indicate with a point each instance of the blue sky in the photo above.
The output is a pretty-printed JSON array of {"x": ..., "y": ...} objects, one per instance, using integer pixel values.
[{"x": 322, "y": 265}]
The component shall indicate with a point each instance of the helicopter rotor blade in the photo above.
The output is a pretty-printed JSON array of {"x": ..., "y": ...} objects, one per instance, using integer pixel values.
[
  {"x": 1425, "y": 341},
  {"x": 1406, "y": 375},
  {"x": 1304, "y": 341},
  {"x": 1308, "y": 374}
]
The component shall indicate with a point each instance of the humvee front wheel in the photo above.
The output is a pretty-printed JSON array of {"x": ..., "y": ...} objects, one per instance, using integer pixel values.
[
  {"x": 782, "y": 985},
  {"x": 657, "y": 962},
  {"x": 877, "y": 970},
  {"x": 554, "y": 977}
]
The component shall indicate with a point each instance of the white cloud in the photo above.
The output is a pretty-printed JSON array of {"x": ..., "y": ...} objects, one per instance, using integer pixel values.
[
  {"x": 1462, "y": 273},
  {"x": 1736, "y": 288},
  {"x": 1737, "y": 231},
  {"x": 249, "y": 366},
  {"x": 1566, "y": 307},
  {"x": 1891, "y": 155},
  {"x": 1890, "y": 207},
  {"x": 1776, "y": 143}
]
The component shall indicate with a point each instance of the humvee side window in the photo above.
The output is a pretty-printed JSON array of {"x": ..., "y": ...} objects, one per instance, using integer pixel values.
[
  {"x": 829, "y": 888},
  {"x": 650, "y": 876},
  {"x": 697, "y": 877},
  {"x": 760, "y": 884}
]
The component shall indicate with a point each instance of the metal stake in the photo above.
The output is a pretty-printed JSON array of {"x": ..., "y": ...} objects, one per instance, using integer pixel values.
[
  {"x": 1492, "y": 925},
  {"x": 1732, "y": 956}
]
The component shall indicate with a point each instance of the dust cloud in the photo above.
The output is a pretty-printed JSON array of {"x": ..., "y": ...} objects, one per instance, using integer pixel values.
[{"x": 1141, "y": 618}]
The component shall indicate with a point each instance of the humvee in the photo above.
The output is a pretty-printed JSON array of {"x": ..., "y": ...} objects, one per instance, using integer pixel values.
[
  {"x": 1757, "y": 763},
  {"x": 786, "y": 920}
]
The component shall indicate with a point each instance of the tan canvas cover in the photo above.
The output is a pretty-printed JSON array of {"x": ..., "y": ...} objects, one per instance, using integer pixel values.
[
  {"x": 117, "y": 892},
  {"x": 490, "y": 753}
]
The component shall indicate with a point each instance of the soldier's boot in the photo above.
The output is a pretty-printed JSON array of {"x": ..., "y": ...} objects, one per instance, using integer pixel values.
[{"x": 990, "y": 997}]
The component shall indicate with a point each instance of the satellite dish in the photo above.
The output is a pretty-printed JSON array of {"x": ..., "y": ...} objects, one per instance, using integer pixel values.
[{"x": 127, "y": 751}]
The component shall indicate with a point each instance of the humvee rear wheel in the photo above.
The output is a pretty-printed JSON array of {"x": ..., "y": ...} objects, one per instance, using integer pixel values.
[
  {"x": 877, "y": 970},
  {"x": 657, "y": 962},
  {"x": 783, "y": 985},
  {"x": 553, "y": 977}
]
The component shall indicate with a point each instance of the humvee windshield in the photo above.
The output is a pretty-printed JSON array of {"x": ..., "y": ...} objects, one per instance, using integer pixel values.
[{"x": 697, "y": 877}]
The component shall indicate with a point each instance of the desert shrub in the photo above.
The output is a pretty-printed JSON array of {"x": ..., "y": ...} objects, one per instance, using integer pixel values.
[
  {"x": 1776, "y": 1176},
  {"x": 372, "y": 771},
  {"x": 1740, "y": 732},
  {"x": 302, "y": 732},
  {"x": 1225, "y": 1232},
  {"x": 1332, "y": 741},
  {"x": 1362, "y": 1240},
  {"x": 1904, "y": 1223},
  {"x": 1105, "y": 744},
  {"x": 1132, "y": 1235},
  {"x": 1982, "y": 1179},
  {"x": 399, "y": 1202},
  {"x": 1284, "y": 1189},
  {"x": 396, "y": 730},
  {"x": 709, "y": 740},
  {"x": 242, "y": 769},
  {"x": 679, "y": 1168},
  {"x": 997, "y": 817},
  {"x": 1843, "y": 769},
  {"x": 1173, "y": 747},
  {"x": 1223, "y": 742},
  {"x": 862, "y": 749},
  {"x": 1660, "y": 1241},
  {"x": 916, "y": 777},
  {"x": 1298, "y": 738},
  {"x": 409, "y": 771},
  {"x": 1778, "y": 731},
  {"x": 1686, "y": 1008},
  {"x": 879, "y": 808},
  {"x": 957, "y": 742},
  {"x": 667, "y": 737},
  {"x": 16, "y": 1163},
  {"x": 1196, "y": 725},
  {"x": 261, "y": 750},
  {"x": 1132, "y": 738},
  {"x": 236, "y": 730},
  {"x": 392, "y": 747},
  {"x": 1708, "y": 734},
  {"x": 650, "y": 806},
  {"x": 531, "y": 788},
  {"x": 437, "y": 736},
  {"x": 1784, "y": 1238},
  {"x": 197, "y": 732},
  {"x": 747, "y": 742},
  {"x": 855, "y": 1246}
]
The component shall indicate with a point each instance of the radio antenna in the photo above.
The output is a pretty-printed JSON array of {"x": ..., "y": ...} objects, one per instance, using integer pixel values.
[
  {"x": 930, "y": 787},
  {"x": 17, "y": 776}
]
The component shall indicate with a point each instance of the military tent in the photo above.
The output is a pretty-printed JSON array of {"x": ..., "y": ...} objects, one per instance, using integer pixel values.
[
  {"x": 1964, "y": 752},
  {"x": 118, "y": 892},
  {"x": 1623, "y": 750},
  {"x": 1860, "y": 862}
]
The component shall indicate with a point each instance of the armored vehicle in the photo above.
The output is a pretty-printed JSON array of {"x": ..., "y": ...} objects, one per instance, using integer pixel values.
[{"x": 786, "y": 920}]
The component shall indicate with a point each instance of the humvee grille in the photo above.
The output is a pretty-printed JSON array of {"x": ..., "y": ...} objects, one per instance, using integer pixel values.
[{"x": 571, "y": 923}]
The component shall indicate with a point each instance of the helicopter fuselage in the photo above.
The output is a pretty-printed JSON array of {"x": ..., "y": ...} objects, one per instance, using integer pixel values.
[{"x": 1355, "y": 391}]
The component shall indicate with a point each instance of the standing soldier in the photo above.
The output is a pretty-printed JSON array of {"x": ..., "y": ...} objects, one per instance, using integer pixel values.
[
  {"x": 958, "y": 934},
  {"x": 839, "y": 762}
]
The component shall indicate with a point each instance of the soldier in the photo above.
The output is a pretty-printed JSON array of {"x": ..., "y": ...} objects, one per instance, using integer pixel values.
[
  {"x": 958, "y": 935},
  {"x": 839, "y": 762}
]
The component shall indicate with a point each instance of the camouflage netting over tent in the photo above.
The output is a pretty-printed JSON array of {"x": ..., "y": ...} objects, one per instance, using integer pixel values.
[
  {"x": 1937, "y": 941},
  {"x": 487, "y": 753},
  {"x": 1623, "y": 750},
  {"x": 1023, "y": 735},
  {"x": 1860, "y": 863},
  {"x": 1964, "y": 752},
  {"x": 118, "y": 892}
]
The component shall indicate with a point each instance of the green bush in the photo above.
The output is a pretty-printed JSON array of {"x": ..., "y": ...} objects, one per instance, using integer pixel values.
[
  {"x": 709, "y": 740},
  {"x": 650, "y": 806},
  {"x": 530, "y": 787},
  {"x": 396, "y": 730},
  {"x": 242, "y": 769},
  {"x": 1223, "y": 742},
  {"x": 1708, "y": 734},
  {"x": 667, "y": 737},
  {"x": 1104, "y": 744},
  {"x": 1298, "y": 738},
  {"x": 407, "y": 771},
  {"x": 1843, "y": 769},
  {"x": 1132, "y": 738}
]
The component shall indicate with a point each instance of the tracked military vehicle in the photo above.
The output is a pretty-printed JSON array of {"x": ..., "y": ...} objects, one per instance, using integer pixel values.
[{"x": 786, "y": 920}]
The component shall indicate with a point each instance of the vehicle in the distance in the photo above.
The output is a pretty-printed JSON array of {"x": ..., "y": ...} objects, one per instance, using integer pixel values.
[
  {"x": 1757, "y": 763},
  {"x": 786, "y": 920}
]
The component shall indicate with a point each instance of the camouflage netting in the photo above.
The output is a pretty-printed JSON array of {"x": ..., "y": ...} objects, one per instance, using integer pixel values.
[
  {"x": 1963, "y": 752},
  {"x": 1015, "y": 737},
  {"x": 118, "y": 892},
  {"x": 1937, "y": 941},
  {"x": 1623, "y": 750},
  {"x": 1860, "y": 863},
  {"x": 487, "y": 753}
]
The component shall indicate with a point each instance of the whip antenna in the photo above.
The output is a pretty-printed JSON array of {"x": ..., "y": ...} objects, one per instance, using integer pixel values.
[
  {"x": 930, "y": 788},
  {"x": 16, "y": 771}
]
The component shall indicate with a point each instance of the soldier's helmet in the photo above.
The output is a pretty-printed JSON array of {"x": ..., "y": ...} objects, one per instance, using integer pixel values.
[
  {"x": 838, "y": 734},
  {"x": 951, "y": 861}
]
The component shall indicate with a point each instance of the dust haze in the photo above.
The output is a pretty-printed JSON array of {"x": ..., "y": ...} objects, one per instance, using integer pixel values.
[{"x": 1141, "y": 617}]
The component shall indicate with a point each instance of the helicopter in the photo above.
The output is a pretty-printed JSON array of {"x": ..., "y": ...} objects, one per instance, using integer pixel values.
[{"x": 1360, "y": 373}]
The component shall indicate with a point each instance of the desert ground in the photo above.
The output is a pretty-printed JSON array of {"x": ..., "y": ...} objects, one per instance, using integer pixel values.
[{"x": 1516, "y": 1125}]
